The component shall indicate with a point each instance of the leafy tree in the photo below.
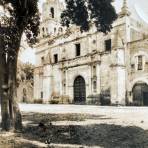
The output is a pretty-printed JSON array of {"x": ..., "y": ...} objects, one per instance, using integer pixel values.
[
  {"x": 84, "y": 12},
  {"x": 25, "y": 72},
  {"x": 22, "y": 17},
  {"x": 28, "y": 70}
]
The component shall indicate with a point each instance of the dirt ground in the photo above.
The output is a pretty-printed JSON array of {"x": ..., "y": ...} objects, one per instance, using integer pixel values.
[{"x": 79, "y": 130}]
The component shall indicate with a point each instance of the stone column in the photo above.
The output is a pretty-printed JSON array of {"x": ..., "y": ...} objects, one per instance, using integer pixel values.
[{"x": 118, "y": 74}]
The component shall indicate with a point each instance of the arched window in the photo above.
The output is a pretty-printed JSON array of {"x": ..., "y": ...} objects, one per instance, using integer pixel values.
[
  {"x": 60, "y": 29},
  {"x": 52, "y": 12},
  {"x": 24, "y": 95}
]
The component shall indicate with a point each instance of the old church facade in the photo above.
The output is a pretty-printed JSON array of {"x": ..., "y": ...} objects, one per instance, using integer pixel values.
[{"x": 92, "y": 67}]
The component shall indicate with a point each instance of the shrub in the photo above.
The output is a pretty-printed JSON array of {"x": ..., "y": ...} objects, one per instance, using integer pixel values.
[
  {"x": 54, "y": 101},
  {"x": 105, "y": 100},
  {"x": 38, "y": 101}
]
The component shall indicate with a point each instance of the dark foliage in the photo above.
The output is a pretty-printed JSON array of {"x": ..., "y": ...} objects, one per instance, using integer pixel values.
[
  {"x": 28, "y": 70},
  {"x": 23, "y": 16},
  {"x": 25, "y": 72},
  {"x": 84, "y": 12}
]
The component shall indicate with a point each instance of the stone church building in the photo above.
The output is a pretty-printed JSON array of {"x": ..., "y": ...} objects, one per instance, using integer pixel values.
[{"x": 92, "y": 67}]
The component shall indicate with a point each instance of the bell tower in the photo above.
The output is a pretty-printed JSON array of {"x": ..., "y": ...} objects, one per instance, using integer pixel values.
[{"x": 51, "y": 12}]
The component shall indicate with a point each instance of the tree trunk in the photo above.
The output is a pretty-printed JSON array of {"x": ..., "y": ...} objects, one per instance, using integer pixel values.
[
  {"x": 5, "y": 113},
  {"x": 15, "y": 111},
  {"x": 4, "y": 94},
  {"x": 15, "y": 114},
  {"x": 11, "y": 115}
]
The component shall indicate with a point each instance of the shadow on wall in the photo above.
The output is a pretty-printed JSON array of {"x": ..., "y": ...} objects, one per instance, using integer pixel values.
[{"x": 105, "y": 97}]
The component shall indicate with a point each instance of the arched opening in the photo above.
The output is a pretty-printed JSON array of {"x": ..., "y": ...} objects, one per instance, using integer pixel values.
[
  {"x": 61, "y": 29},
  {"x": 24, "y": 95},
  {"x": 140, "y": 94},
  {"x": 79, "y": 90}
]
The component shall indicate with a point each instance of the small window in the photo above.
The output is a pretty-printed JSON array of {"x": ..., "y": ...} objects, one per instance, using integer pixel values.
[
  {"x": 52, "y": 12},
  {"x": 55, "y": 58},
  {"x": 64, "y": 50},
  {"x": 47, "y": 30},
  {"x": 41, "y": 95},
  {"x": 94, "y": 71},
  {"x": 78, "y": 49},
  {"x": 108, "y": 45},
  {"x": 94, "y": 41},
  {"x": 64, "y": 88},
  {"x": 132, "y": 67},
  {"x": 94, "y": 86},
  {"x": 42, "y": 60},
  {"x": 43, "y": 29},
  {"x": 55, "y": 30},
  {"x": 140, "y": 63}
]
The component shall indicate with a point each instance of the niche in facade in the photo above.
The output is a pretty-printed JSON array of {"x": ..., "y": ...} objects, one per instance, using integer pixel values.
[{"x": 52, "y": 12}]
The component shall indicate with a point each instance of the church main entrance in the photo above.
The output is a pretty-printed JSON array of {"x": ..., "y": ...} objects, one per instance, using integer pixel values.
[
  {"x": 79, "y": 90},
  {"x": 140, "y": 94}
]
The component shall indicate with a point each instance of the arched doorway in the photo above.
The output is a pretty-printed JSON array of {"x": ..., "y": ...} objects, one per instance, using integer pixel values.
[
  {"x": 140, "y": 94},
  {"x": 79, "y": 90}
]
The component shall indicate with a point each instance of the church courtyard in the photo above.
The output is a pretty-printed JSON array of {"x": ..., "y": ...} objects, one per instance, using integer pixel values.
[{"x": 79, "y": 126}]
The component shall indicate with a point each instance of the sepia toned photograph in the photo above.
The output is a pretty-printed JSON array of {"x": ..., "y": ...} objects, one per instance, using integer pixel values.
[{"x": 73, "y": 74}]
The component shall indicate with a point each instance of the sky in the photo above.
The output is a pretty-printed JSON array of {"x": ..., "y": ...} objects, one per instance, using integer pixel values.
[
  {"x": 28, "y": 55},
  {"x": 141, "y": 7}
]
